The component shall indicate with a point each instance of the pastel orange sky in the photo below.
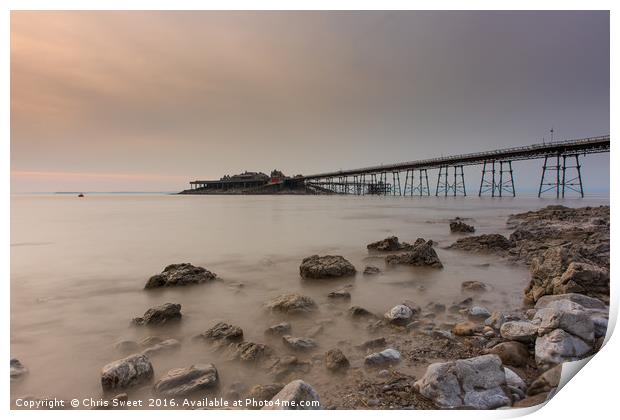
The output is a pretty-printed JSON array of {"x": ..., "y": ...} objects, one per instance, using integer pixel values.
[{"x": 146, "y": 101}]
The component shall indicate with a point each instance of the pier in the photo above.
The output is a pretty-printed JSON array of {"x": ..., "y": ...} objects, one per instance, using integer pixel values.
[{"x": 561, "y": 172}]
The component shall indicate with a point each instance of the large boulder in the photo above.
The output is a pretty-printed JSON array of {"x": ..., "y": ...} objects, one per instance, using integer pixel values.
[
  {"x": 292, "y": 303},
  {"x": 559, "y": 346},
  {"x": 180, "y": 275},
  {"x": 160, "y": 315},
  {"x": 583, "y": 300},
  {"x": 296, "y": 395},
  {"x": 583, "y": 278},
  {"x": 562, "y": 270},
  {"x": 390, "y": 243},
  {"x": 421, "y": 254},
  {"x": 187, "y": 381},
  {"x": 124, "y": 373},
  {"x": 476, "y": 383},
  {"x": 328, "y": 266},
  {"x": 223, "y": 333},
  {"x": 574, "y": 321},
  {"x": 583, "y": 231}
]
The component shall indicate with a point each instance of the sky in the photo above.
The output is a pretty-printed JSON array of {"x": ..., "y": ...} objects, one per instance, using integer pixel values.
[{"x": 147, "y": 101}]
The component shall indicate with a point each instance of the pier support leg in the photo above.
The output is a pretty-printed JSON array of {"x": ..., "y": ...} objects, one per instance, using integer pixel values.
[{"x": 561, "y": 182}]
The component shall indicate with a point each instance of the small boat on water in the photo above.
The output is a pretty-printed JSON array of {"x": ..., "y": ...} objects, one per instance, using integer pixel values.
[{"x": 80, "y": 195}]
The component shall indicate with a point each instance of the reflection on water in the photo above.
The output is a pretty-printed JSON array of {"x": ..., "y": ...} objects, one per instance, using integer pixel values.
[{"x": 78, "y": 267}]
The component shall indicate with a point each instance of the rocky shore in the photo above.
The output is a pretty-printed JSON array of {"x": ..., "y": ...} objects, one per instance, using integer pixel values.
[{"x": 422, "y": 355}]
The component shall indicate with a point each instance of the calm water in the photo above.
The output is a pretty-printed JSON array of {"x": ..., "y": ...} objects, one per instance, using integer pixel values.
[{"x": 78, "y": 267}]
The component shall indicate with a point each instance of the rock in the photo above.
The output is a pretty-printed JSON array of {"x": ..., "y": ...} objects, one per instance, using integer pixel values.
[
  {"x": 559, "y": 223},
  {"x": 474, "y": 286},
  {"x": 583, "y": 278},
  {"x": 278, "y": 329},
  {"x": 546, "y": 382},
  {"x": 328, "y": 266},
  {"x": 370, "y": 270},
  {"x": 299, "y": 343},
  {"x": 150, "y": 340},
  {"x": 415, "y": 309},
  {"x": 399, "y": 315},
  {"x": 127, "y": 346},
  {"x": 160, "y": 315},
  {"x": 441, "y": 334},
  {"x": 495, "y": 321},
  {"x": 531, "y": 401},
  {"x": 250, "y": 352},
  {"x": 264, "y": 392},
  {"x": 372, "y": 344},
  {"x": 287, "y": 365},
  {"x": 17, "y": 368},
  {"x": 359, "y": 312},
  {"x": 511, "y": 353},
  {"x": 466, "y": 328},
  {"x": 478, "y": 313},
  {"x": 336, "y": 360},
  {"x": 515, "y": 384},
  {"x": 576, "y": 322},
  {"x": 292, "y": 303},
  {"x": 340, "y": 294},
  {"x": 296, "y": 395},
  {"x": 186, "y": 381},
  {"x": 600, "y": 326},
  {"x": 560, "y": 271},
  {"x": 164, "y": 346},
  {"x": 523, "y": 331},
  {"x": 514, "y": 380},
  {"x": 458, "y": 306},
  {"x": 458, "y": 226},
  {"x": 559, "y": 346},
  {"x": 388, "y": 244},
  {"x": 385, "y": 357},
  {"x": 493, "y": 242},
  {"x": 223, "y": 332},
  {"x": 180, "y": 275},
  {"x": 476, "y": 383},
  {"x": 421, "y": 254},
  {"x": 583, "y": 300},
  {"x": 543, "y": 269},
  {"x": 124, "y": 373}
]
